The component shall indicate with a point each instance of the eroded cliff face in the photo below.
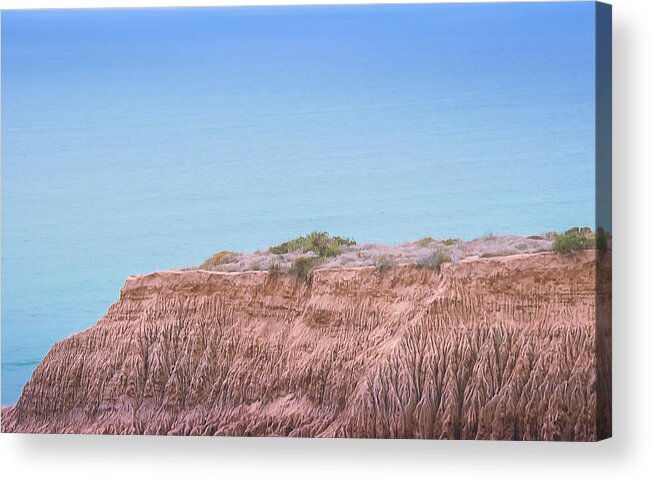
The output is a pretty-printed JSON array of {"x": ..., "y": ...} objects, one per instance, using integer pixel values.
[{"x": 501, "y": 348}]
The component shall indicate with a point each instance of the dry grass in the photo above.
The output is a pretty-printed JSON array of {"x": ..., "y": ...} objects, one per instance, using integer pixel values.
[
  {"x": 219, "y": 259},
  {"x": 336, "y": 252},
  {"x": 302, "y": 267},
  {"x": 384, "y": 262},
  {"x": 433, "y": 260}
]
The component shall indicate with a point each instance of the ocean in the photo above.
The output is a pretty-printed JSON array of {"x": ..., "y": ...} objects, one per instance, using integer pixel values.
[{"x": 136, "y": 140}]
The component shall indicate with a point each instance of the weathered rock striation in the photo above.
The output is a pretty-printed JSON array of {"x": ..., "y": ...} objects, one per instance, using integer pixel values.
[{"x": 497, "y": 348}]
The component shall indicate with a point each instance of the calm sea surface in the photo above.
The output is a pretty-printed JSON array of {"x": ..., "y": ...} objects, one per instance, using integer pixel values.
[{"x": 142, "y": 140}]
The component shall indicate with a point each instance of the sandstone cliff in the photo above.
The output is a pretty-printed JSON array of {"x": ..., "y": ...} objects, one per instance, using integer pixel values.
[{"x": 498, "y": 348}]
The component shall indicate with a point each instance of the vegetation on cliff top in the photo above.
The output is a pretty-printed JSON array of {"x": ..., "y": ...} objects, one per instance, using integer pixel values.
[
  {"x": 434, "y": 260},
  {"x": 302, "y": 267},
  {"x": 222, "y": 257},
  {"x": 302, "y": 255},
  {"x": 580, "y": 238},
  {"x": 320, "y": 243}
]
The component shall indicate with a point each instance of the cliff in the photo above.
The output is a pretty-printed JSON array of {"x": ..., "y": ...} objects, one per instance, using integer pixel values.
[{"x": 497, "y": 348}]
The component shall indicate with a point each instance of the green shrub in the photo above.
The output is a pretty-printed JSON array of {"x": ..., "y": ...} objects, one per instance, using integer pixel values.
[
  {"x": 344, "y": 241},
  {"x": 321, "y": 243},
  {"x": 573, "y": 240},
  {"x": 425, "y": 241},
  {"x": 302, "y": 267},
  {"x": 223, "y": 257},
  {"x": 384, "y": 262}
]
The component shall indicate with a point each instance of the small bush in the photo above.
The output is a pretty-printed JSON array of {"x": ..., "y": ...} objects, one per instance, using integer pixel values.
[
  {"x": 573, "y": 240},
  {"x": 425, "y": 241},
  {"x": 302, "y": 267},
  {"x": 384, "y": 262},
  {"x": 433, "y": 260},
  {"x": 344, "y": 241},
  {"x": 273, "y": 267},
  {"x": 223, "y": 257},
  {"x": 321, "y": 243},
  {"x": 582, "y": 231}
]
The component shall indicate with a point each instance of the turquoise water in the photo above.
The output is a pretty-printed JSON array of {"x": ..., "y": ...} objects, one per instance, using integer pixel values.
[{"x": 141, "y": 140}]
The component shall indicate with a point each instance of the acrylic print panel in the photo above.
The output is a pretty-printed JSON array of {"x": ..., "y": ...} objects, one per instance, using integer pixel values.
[{"x": 380, "y": 221}]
